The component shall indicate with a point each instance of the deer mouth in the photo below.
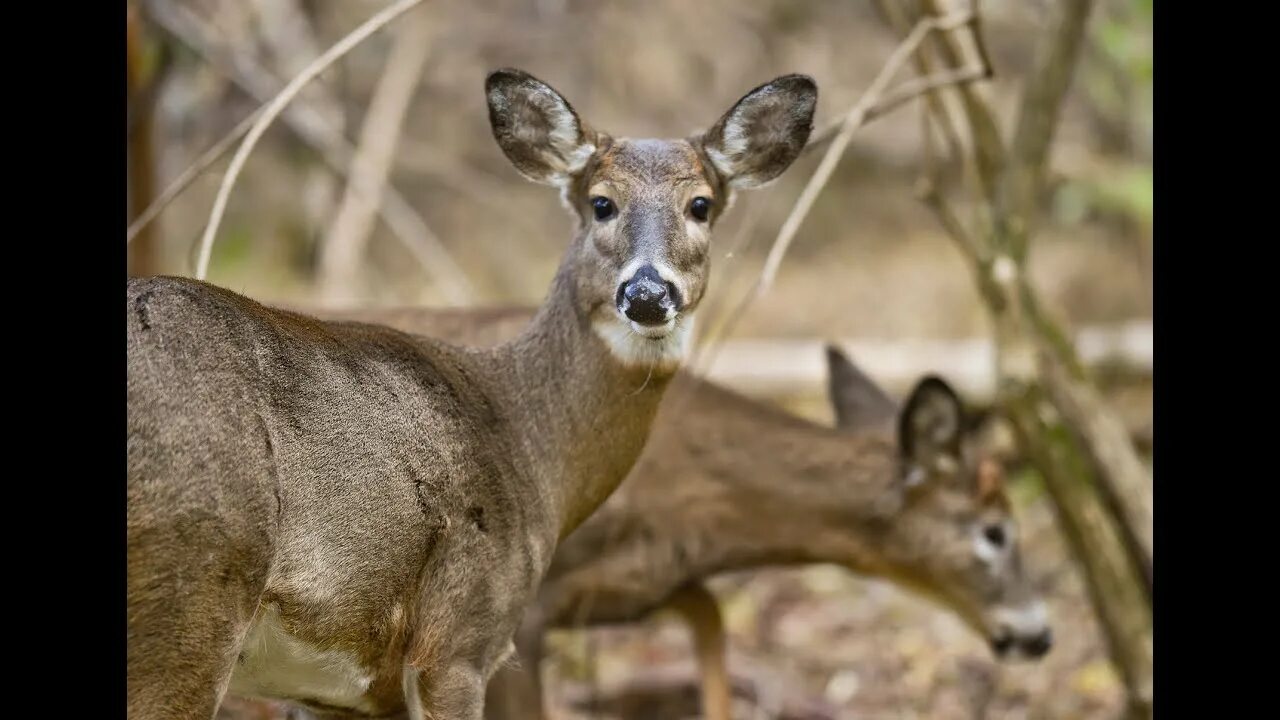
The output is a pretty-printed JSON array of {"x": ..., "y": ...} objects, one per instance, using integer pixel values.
[
  {"x": 653, "y": 332},
  {"x": 1021, "y": 633}
]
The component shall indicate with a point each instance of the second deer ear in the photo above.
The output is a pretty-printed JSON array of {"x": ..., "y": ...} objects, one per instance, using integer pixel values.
[
  {"x": 537, "y": 129},
  {"x": 764, "y": 132},
  {"x": 858, "y": 401},
  {"x": 931, "y": 428}
]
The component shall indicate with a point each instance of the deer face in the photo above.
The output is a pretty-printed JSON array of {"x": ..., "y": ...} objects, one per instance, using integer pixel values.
[
  {"x": 947, "y": 529},
  {"x": 646, "y": 208},
  {"x": 954, "y": 536}
]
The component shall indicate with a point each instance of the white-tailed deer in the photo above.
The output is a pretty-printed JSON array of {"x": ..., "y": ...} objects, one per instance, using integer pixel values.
[
  {"x": 726, "y": 483},
  {"x": 354, "y": 519}
]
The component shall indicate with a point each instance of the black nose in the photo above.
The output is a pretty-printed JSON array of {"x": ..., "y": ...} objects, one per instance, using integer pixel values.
[
  {"x": 1039, "y": 645},
  {"x": 646, "y": 297},
  {"x": 1001, "y": 644}
]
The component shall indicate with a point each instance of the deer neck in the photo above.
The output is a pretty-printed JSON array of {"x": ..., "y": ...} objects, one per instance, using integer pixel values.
[
  {"x": 785, "y": 491},
  {"x": 579, "y": 416}
]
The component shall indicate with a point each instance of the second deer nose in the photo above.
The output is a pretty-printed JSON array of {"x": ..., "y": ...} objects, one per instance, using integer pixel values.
[
  {"x": 1039, "y": 645},
  {"x": 646, "y": 297}
]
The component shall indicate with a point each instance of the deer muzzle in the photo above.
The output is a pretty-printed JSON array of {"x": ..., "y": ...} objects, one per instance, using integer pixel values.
[{"x": 648, "y": 300}]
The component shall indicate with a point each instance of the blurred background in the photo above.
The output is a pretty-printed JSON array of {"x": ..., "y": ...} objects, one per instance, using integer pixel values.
[{"x": 870, "y": 267}]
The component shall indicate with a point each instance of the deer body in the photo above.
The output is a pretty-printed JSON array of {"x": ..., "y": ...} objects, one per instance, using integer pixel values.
[
  {"x": 728, "y": 483},
  {"x": 352, "y": 518}
]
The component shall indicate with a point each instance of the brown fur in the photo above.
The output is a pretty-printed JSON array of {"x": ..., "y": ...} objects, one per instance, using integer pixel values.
[
  {"x": 727, "y": 483},
  {"x": 390, "y": 498}
]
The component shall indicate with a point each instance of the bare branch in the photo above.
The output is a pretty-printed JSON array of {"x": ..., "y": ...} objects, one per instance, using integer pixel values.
[
  {"x": 189, "y": 175},
  {"x": 405, "y": 222},
  {"x": 1046, "y": 87},
  {"x": 904, "y": 93},
  {"x": 856, "y": 117},
  {"x": 348, "y": 237},
  {"x": 853, "y": 120},
  {"x": 892, "y": 13},
  {"x": 988, "y": 147},
  {"x": 273, "y": 109},
  {"x": 1124, "y": 480}
]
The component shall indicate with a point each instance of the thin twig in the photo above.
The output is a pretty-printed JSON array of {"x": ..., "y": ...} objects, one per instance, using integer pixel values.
[
  {"x": 897, "y": 19},
  {"x": 273, "y": 109},
  {"x": 904, "y": 93},
  {"x": 857, "y": 116},
  {"x": 988, "y": 147},
  {"x": 1038, "y": 114},
  {"x": 189, "y": 175},
  {"x": 928, "y": 193},
  {"x": 348, "y": 236},
  {"x": 406, "y": 224}
]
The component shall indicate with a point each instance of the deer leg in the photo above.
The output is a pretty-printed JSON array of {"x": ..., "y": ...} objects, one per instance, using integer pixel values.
[
  {"x": 515, "y": 691},
  {"x": 184, "y": 636},
  {"x": 699, "y": 608},
  {"x": 454, "y": 691}
]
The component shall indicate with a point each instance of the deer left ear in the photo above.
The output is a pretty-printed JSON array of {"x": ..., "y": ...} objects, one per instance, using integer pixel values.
[
  {"x": 764, "y": 132},
  {"x": 931, "y": 428},
  {"x": 537, "y": 129}
]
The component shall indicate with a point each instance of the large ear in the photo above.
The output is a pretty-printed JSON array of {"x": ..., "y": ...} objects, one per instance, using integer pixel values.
[
  {"x": 858, "y": 401},
  {"x": 537, "y": 129},
  {"x": 931, "y": 429},
  {"x": 764, "y": 132}
]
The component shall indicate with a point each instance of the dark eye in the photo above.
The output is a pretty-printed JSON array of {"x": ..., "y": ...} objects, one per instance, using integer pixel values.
[
  {"x": 603, "y": 207},
  {"x": 699, "y": 208},
  {"x": 995, "y": 534}
]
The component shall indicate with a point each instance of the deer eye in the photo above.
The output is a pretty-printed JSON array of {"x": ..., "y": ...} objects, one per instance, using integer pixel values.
[
  {"x": 994, "y": 534},
  {"x": 699, "y": 208},
  {"x": 603, "y": 206}
]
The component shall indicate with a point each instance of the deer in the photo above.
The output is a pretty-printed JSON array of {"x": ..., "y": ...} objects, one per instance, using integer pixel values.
[
  {"x": 908, "y": 492},
  {"x": 353, "y": 519}
]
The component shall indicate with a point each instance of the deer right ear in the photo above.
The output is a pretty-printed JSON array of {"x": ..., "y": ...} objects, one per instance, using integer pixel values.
[
  {"x": 858, "y": 401},
  {"x": 931, "y": 428},
  {"x": 764, "y": 132},
  {"x": 537, "y": 129}
]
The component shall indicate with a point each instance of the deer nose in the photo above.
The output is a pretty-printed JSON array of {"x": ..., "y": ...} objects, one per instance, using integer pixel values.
[
  {"x": 1033, "y": 646},
  {"x": 1038, "y": 645},
  {"x": 646, "y": 298}
]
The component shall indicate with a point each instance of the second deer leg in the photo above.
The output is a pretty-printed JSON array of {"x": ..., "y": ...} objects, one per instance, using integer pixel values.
[{"x": 699, "y": 608}]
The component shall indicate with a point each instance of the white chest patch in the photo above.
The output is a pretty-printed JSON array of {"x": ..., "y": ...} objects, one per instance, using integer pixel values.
[
  {"x": 275, "y": 664},
  {"x": 635, "y": 350}
]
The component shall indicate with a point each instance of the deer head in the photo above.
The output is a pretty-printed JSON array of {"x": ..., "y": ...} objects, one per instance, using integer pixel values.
[
  {"x": 947, "y": 526},
  {"x": 645, "y": 208}
]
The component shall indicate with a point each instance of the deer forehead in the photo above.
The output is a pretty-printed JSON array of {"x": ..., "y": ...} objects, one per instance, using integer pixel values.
[{"x": 636, "y": 165}]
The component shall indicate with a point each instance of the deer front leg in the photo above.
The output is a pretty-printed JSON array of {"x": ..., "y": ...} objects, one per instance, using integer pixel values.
[
  {"x": 699, "y": 608},
  {"x": 452, "y": 691},
  {"x": 515, "y": 690}
]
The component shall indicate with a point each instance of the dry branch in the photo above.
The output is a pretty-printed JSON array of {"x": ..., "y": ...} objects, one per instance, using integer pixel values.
[
  {"x": 348, "y": 237},
  {"x": 273, "y": 109},
  {"x": 877, "y": 95},
  {"x": 1099, "y": 486},
  {"x": 405, "y": 222},
  {"x": 988, "y": 148},
  {"x": 188, "y": 176}
]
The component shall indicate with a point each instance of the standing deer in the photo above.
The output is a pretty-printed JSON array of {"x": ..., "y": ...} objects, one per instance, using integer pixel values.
[
  {"x": 354, "y": 519},
  {"x": 908, "y": 494}
]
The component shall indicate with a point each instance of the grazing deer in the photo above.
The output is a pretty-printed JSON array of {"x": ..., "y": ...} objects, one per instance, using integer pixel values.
[
  {"x": 354, "y": 519},
  {"x": 726, "y": 483}
]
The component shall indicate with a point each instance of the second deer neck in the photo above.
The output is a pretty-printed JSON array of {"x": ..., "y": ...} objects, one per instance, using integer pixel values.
[{"x": 784, "y": 492}]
